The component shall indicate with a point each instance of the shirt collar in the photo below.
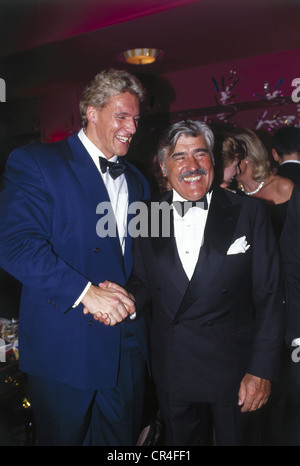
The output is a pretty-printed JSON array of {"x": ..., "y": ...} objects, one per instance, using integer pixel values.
[
  {"x": 177, "y": 197},
  {"x": 290, "y": 161},
  {"x": 93, "y": 151}
]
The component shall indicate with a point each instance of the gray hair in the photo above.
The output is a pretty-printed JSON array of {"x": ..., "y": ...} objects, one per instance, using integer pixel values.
[
  {"x": 187, "y": 128},
  {"x": 105, "y": 85}
]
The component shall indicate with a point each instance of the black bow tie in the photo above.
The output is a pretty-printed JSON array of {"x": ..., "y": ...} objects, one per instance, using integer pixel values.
[
  {"x": 182, "y": 207},
  {"x": 115, "y": 169}
]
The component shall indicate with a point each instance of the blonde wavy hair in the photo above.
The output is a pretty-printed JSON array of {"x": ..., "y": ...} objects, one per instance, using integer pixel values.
[
  {"x": 231, "y": 147},
  {"x": 105, "y": 85},
  {"x": 256, "y": 153}
]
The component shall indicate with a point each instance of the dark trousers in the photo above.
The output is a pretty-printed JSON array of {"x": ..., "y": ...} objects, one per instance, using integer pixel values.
[
  {"x": 67, "y": 416},
  {"x": 207, "y": 424}
]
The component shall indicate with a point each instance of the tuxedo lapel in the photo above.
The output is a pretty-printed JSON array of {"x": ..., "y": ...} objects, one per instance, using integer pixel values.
[
  {"x": 219, "y": 230},
  {"x": 165, "y": 248}
]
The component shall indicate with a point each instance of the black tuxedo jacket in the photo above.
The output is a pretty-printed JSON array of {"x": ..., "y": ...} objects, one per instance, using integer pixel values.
[
  {"x": 227, "y": 320},
  {"x": 290, "y": 170},
  {"x": 290, "y": 251}
]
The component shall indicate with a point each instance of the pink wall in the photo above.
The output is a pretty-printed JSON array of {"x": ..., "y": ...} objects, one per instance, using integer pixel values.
[
  {"x": 194, "y": 88},
  {"x": 59, "y": 114}
]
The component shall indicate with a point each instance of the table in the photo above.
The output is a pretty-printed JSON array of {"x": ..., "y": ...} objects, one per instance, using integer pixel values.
[{"x": 16, "y": 418}]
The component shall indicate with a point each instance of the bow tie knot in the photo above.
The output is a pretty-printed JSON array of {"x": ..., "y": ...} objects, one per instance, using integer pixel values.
[
  {"x": 115, "y": 169},
  {"x": 182, "y": 207}
]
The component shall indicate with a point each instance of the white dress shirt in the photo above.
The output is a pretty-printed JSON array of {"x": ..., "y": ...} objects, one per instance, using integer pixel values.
[
  {"x": 188, "y": 231},
  {"x": 117, "y": 192},
  {"x": 289, "y": 161},
  {"x": 117, "y": 189}
]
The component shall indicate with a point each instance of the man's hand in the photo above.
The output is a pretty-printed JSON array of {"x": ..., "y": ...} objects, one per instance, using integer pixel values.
[
  {"x": 254, "y": 393},
  {"x": 116, "y": 287},
  {"x": 108, "y": 304},
  {"x": 113, "y": 286}
]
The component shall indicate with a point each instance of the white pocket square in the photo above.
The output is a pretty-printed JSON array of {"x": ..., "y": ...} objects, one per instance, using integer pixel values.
[{"x": 240, "y": 246}]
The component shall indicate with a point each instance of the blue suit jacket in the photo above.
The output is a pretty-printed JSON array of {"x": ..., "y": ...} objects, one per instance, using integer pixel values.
[{"x": 48, "y": 241}]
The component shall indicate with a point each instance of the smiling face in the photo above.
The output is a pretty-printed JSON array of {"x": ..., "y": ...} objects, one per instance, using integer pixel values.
[
  {"x": 189, "y": 168},
  {"x": 111, "y": 128}
]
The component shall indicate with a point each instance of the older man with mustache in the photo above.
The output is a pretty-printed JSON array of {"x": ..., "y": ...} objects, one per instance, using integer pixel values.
[{"x": 217, "y": 301}]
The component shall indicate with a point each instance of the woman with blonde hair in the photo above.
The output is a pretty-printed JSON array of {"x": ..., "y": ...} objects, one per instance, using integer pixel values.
[
  {"x": 256, "y": 178},
  {"x": 228, "y": 152}
]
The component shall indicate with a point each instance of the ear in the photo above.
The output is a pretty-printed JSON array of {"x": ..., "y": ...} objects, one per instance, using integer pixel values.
[
  {"x": 91, "y": 114},
  {"x": 275, "y": 155},
  {"x": 162, "y": 169}
]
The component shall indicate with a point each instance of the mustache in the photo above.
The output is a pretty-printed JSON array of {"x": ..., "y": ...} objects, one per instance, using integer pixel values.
[{"x": 200, "y": 171}]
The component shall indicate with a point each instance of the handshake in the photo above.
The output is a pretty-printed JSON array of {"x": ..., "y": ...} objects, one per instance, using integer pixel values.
[{"x": 109, "y": 303}]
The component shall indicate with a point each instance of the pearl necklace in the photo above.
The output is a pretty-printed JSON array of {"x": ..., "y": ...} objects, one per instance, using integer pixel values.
[{"x": 253, "y": 192}]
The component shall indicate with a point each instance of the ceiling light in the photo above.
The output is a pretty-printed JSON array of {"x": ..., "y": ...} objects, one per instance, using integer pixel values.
[{"x": 143, "y": 56}]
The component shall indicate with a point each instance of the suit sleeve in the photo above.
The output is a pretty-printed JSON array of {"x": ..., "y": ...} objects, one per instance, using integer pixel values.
[
  {"x": 138, "y": 284},
  {"x": 290, "y": 251},
  {"x": 26, "y": 252},
  {"x": 268, "y": 298}
]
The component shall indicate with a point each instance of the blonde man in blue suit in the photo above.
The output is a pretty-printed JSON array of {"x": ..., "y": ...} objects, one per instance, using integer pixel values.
[{"x": 86, "y": 378}]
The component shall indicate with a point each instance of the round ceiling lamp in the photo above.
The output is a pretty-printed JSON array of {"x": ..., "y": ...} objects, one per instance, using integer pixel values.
[{"x": 143, "y": 56}]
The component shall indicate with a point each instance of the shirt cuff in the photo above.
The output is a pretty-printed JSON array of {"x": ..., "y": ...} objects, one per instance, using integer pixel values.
[{"x": 78, "y": 301}]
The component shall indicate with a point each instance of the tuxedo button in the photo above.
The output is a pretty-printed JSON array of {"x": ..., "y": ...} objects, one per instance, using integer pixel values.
[
  {"x": 96, "y": 250},
  {"x": 90, "y": 322},
  {"x": 224, "y": 291}
]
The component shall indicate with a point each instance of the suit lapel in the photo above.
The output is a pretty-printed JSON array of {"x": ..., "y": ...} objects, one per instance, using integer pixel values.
[
  {"x": 165, "y": 248},
  {"x": 92, "y": 184},
  {"x": 134, "y": 195},
  {"x": 134, "y": 188},
  {"x": 219, "y": 230},
  {"x": 87, "y": 173}
]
